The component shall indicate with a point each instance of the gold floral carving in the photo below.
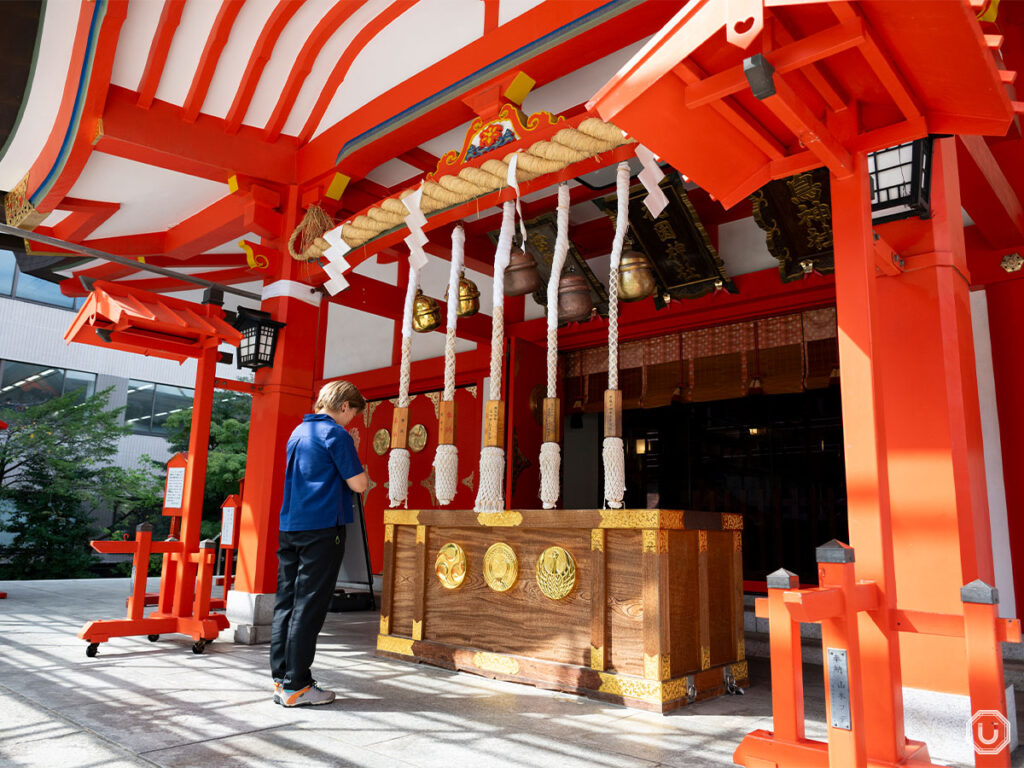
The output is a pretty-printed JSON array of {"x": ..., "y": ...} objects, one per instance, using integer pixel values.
[
  {"x": 702, "y": 541},
  {"x": 556, "y": 573},
  {"x": 421, "y": 534},
  {"x": 641, "y": 518},
  {"x": 740, "y": 670},
  {"x": 653, "y": 691},
  {"x": 737, "y": 541},
  {"x": 472, "y": 390},
  {"x": 732, "y": 522},
  {"x": 385, "y": 625},
  {"x": 401, "y": 516},
  {"x": 597, "y": 540},
  {"x": 371, "y": 406},
  {"x": 398, "y": 645},
  {"x": 508, "y": 519},
  {"x": 495, "y": 662},
  {"x": 381, "y": 441},
  {"x": 597, "y": 658},
  {"x": 1012, "y": 262},
  {"x": 468, "y": 480},
  {"x": 657, "y": 667},
  {"x": 655, "y": 541},
  {"x": 417, "y": 630},
  {"x": 19, "y": 209},
  {"x": 435, "y": 398},
  {"x": 705, "y": 657},
  {"x": 501, "y": 567},
  {"x": 389, "y": 532},
  {"x": 430, "y": 483},
  {"x": 450, "y": 565}
]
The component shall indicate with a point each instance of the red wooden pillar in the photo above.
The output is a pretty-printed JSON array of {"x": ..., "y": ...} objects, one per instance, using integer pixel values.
[
  {"x": 287, "y": 394},
  {"x": 1005, "y": 320},
  {"x": 940, "y": 527},
  {"x": 861, "y": 337}
]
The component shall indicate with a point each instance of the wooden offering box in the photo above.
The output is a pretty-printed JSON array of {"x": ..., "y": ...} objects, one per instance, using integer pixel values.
[{"x": 651, "y": 617}]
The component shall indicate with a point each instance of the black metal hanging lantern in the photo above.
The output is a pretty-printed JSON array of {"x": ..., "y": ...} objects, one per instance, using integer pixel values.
[
  {"x": 259, "y": 338},
  {"x": 901, "y": 180}
]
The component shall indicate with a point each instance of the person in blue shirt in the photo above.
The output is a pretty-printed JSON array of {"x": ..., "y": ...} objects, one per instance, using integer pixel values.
[{"x": 321, "y": 474}]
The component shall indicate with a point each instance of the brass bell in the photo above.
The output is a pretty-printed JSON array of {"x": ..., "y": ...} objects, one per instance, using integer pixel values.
[
  {"x": 574, "y": 302},
  {"x": 425, "y": 314},
  {"x": 521, "y": 276},
  {"x": 636, "y": 280},
  {"x": 469, "y": 296}
]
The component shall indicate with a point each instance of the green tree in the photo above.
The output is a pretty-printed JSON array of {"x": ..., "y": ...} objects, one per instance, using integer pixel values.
[
  {"x": 55, "y": 471},
  {"x": 229, "y": 442}
]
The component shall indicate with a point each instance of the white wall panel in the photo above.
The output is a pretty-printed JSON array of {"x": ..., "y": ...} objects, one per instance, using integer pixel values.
[
  {"x": 186, "y": 49},
  {"x": 227, "y": 79},
  {"x": 741, "y": 245},
  {"x": 356, "y": 341},
  {"x": 439, "y": 28},
  {"x": 993, "y": 455}
]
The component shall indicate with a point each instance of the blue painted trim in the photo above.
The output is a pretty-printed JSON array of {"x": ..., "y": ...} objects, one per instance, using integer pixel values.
[
  {"x": 76, "y": 112},
  {"x": 505, "y": 62}
]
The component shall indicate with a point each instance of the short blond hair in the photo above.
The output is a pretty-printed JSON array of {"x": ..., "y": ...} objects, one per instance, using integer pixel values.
[{"x": 334, "y": 394}]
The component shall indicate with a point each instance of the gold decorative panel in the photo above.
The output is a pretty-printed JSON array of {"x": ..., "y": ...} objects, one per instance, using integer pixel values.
[
  {"x": 450, "y": 565},
  {"x": 495, "y": 662},
  {"x": 556, "y": 573},
  {"x": 501, "y": 567},
  {"x": 392, "y": 644}
]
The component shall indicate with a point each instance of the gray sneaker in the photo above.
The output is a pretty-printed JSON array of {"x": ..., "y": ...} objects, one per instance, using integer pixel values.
[{"x": 310, "y": 696}]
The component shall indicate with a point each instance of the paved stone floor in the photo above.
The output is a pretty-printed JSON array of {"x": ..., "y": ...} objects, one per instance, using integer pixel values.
[{"x": 139, "y": 703}]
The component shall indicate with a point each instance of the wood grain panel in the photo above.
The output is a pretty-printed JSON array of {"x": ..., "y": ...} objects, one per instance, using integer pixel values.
[
  {"x": 625, "y": 649},
  {"x": 522, "y": 620},
  {"x": 403, "y": 583},
  {"x": 684, "y": 643},
  {"x": 720, "y": 597}
]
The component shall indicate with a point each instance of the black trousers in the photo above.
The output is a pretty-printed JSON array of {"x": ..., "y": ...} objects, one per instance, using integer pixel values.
[{"x": 308, "y": 563}]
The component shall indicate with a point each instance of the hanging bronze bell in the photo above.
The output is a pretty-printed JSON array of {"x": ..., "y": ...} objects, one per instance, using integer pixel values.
[
  {"x": 521, "y": 276},
  {"x": 574, "y": 302},
  {"x": 636, "y": 280},
  {"x": 425, "y": 314},
  {"x": 469, "y": 296}
]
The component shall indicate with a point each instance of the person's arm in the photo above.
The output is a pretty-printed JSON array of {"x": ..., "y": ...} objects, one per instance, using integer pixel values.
[
  {"x": 359, "y": 483},
  {"x": 343, "y": 451}
]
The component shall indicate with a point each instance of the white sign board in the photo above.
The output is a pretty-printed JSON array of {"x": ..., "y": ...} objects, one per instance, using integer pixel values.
[
  {"x": 175, "y": 494},
  {"x": 227, "y": 527}
]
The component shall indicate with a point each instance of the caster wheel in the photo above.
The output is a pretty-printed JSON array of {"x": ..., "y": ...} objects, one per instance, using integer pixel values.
[
  {"x": 152, "y": 638},
  {"x": 91, "y": 650},
  {"x": 199, "y": 646}
]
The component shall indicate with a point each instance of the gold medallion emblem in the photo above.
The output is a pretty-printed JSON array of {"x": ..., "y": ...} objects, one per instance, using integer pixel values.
[
  {"x": 450, "y": 565},
  {"x": 556, "y": 573},
  {"x": 417, "y": 438},
  {"x": 381, "y": 442},
  {"x": 501, "y": 567}
]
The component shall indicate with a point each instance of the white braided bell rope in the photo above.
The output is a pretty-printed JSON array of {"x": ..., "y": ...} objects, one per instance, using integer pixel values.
[
  {"x": 490, "y": 492},
  {"x": 550, "y": 453},
  {"x": 612, "y": 451},
  {"x": 398, "y": 459},
  {"x": 446, "y": 457}
]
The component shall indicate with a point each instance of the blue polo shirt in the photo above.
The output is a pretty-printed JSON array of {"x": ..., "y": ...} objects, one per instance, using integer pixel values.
[{"x": 321, "y": 456}]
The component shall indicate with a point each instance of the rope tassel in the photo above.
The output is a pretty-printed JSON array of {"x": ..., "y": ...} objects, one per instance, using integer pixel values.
[
  {"x": 550, "y": 453},
  {"x": 612, "y": 452},
  {"x": 490, "y": 495},
  {"x": 446, "y": 459}
]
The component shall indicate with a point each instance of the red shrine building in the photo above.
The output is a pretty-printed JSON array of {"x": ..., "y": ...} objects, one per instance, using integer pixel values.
[{"x": 672, "y": 318}]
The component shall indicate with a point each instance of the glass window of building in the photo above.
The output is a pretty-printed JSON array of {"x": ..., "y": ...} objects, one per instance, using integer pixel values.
[
  {"x": 138, "y": 412},
  {"x": 7, "y": 267},
  {"x": 80, "y": 382},
  {"x": 169, "y": 400},
  {"x": 29, "y": 384},
  {"x": 42, "y": 291}
]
